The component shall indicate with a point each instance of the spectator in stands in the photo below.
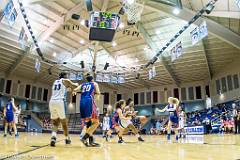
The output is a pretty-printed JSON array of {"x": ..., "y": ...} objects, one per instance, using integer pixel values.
[
  {"x": 238, "y": 121},
  {"x": 158, "y": 126},
  {"x": 235, "y": 117},
  {"x": 207, "y": 124}
]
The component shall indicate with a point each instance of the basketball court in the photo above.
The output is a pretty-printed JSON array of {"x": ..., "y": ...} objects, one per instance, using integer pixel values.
[
  {"x": 36, "y": 146},
  {"x": 142, "y": 51}
]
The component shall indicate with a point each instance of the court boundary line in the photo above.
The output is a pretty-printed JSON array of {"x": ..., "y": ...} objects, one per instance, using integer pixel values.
[{"x": 27, "y": 151}]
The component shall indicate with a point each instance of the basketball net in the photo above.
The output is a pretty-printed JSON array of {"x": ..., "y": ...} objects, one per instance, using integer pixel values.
[{"x": 133, "y": 10}]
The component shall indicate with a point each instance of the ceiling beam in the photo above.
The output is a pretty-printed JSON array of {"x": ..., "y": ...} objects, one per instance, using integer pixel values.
[
  {"x": 17, "y": 63},
  {"x": 60, "y": 21},
  {"x": 224, "y": 14},
  {"x": 155, "y": 48},
  {"x": 210, "y": 74},
  {"x": 216, "y": 29}
]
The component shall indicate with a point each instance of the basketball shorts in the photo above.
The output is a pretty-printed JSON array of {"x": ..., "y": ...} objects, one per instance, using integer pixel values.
[
  {"x": 173, "y": 119},
  {"x": 181, "y": 124},
  {"x": 57, "y": 109},
  {"x": 88, "y": 108},
  {"x": 124, "y": 123},
  {"x": 9, "y": 117},
  {"x": 16, "y": 119},
  {"x": 106, "y": 127}
]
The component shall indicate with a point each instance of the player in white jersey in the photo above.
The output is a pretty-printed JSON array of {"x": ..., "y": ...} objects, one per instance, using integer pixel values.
[
  {"x": 105, "y": 124},
  {"x": 16, "y": 114},
  {"x": 181, "y": 121},
  {"x": 57, "y": 106}
]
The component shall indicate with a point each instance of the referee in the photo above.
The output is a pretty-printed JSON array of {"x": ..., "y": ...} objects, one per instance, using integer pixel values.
[{"x": 235, "y": 118}]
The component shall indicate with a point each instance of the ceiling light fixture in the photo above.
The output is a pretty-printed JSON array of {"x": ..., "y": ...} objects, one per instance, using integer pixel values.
[
  {"x": 121, "y": 25},
  {"x": 54, "y": 54},
  {"x": 114, "y": 44},
  {"x": 82, "y": 42},
  {"x": 82, "y": 22},
  {"x": 176, "y": 11}
]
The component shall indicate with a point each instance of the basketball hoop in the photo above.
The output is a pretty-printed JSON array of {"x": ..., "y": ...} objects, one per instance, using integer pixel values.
[{"x": 133, "y": 10}]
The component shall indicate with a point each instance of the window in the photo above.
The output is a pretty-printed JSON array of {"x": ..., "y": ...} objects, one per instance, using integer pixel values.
[
  {"x": 8, "y": 86},
  {"x": 39, "y": 96},
  {"x": 45, "y": 94},
  {"x": 198, "y": 92},
  {"x": 21, "y": 90},
  {"x": 224, "y": 84},
  {"x": 142, "y": 98},
  {"x": 106, "y": 98},
  {"x": 155, "y": 96},
  {"x": 149, "y": 97},
  {"x": 74, "y": 97},
  {"x": 176, "y": 93},
  {"x": 183, "y": 94},
  {"x": 34, "y": 89},
  {"x": 119, "y": 97},
  {"x": 2, "y": 83},
  {"x": 207, "y": 90},
  {"x": 190, "y": 93},
  {"x": 27, "y": 91},
  {"x": 229, "y": 82},
  {"x": 218, "y": 87},
  {"x": 136, "y": 100},
  {"x": 14, "y": 89},
  {"x": 235, "y": 81}
]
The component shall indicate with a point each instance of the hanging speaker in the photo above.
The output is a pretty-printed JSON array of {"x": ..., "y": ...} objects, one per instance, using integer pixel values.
[
  {"x": 89, "y": 5},
  {"x": 75, "y": 16}
]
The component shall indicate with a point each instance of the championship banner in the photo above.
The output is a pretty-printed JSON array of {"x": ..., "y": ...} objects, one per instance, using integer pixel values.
[
  {"x": 238, "y": 3},
  {"x": 176, "y": 51},
  {"x": 203, "y": 31},
  {"x": 199, "y": 33},
  {"x": 114, "y": 79},
  {"x": 37, "y": 65},
  {"x": 120, "y": 80},
  {"x": 22, "y": 39},
  {"x": 10, "y": 13},
  {"x": 106, "y": 78},
  {"x": 152, "y": 73},
  {"x": 194, "y": 36},
  {"x": 99, "y": 77}
]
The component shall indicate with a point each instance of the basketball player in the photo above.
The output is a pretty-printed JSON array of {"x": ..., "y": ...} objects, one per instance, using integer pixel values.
[
  {"x": 57, "y": 107},
  {"x": 16, "y": 115},
  {"x": 88, "y": 109},
  {"x": 8, "y": 115},
  {"x": 123, "y": 124},
  {"x": 182, "y": 120},
  {"x": 173, "y": 117},
  {"x": 105, "y": 124}
]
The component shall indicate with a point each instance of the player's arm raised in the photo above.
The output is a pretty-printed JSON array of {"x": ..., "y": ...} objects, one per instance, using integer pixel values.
[
  {"x": 162, "y": 110},
  {"x": 78, "y": 89},
  {"x": 97, "y": 91},
  {"x": 69, "y": 84}
]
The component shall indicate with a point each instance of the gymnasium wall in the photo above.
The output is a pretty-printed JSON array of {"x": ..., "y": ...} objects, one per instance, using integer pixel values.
[
  {"x": 166, "y": 91},
  {"x": 227, "y": 78},
  {"x": 18, "y": 88}
]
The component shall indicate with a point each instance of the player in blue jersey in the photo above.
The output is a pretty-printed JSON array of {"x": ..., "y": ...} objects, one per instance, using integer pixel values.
[
  {"x": 172, "y": 108},
  {"x": 88, "y": 109},
  {"x": 8, "y": 114}
]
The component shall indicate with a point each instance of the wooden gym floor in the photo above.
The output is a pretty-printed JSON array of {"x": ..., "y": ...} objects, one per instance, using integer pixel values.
[{"x": 35, "y": 146}]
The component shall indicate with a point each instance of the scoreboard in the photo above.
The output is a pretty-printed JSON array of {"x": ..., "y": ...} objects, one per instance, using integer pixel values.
[{"x": 103, "y": 26}]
